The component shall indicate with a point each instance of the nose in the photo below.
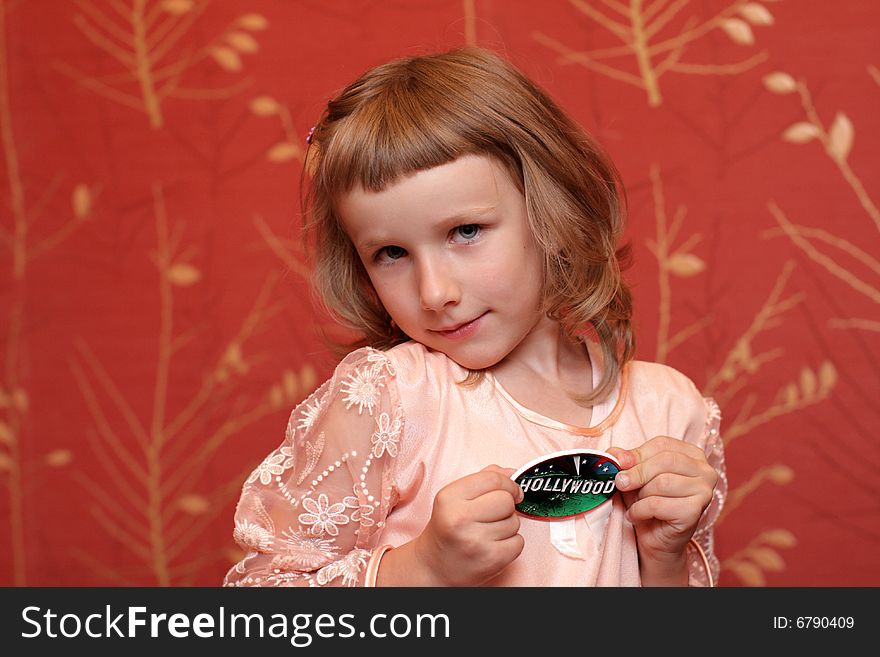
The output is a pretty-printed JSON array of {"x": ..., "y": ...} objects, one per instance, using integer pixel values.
[{"x": 437, "y": 286}]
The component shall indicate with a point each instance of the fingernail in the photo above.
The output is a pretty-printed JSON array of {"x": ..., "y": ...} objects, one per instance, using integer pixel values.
[{"x": 622, "y": 480}]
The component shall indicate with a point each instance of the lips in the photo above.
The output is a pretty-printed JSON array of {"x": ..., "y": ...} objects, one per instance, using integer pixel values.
[
  {"x": 460, "y": 329},
  {"x": 452, "y": 328}
]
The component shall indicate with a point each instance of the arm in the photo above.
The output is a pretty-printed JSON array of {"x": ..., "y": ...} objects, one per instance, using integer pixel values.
[
  {"x": 674, "y": 490},
  {"x": 311, "y": 513}
]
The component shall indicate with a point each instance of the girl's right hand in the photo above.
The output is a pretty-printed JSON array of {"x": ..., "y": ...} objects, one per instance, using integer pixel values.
[{"x": 473, "y": 531}]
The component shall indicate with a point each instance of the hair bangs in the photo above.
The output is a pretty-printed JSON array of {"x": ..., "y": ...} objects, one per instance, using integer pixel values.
[{"x": 410, "y": 128}]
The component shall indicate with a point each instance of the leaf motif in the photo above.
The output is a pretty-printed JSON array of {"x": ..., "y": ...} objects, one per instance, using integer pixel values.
[
  {"x": 685, "y": 265},
  {"x": 313, "y": 453},
  {"x": 781, "y": 474},
  {"x": 288, "y": 381},
  {"x": 282, "y": 152},
  {"x": 276, "y": 397},
  {"x": 827, "y": 376},
  {"x": 738, "y": 30},
  {"x": 243, "y": 42},
  {"x": 193, "y": 504},
  {"x": 800, "y": 133},
  {"x": 778, "y": 538},
  {"x": 840, "y": 137},
  {"x": 253, "y": 22},
  {"x": 790, "y": 395},
  {"x": 742, "y": 352},
  {"x": 227, "y": 58},
  {"x": 308, "y": 378},
  {"x": 264, "y": 106},
  {"x": 749, "y": 573},
  {"x": 779, "y": 83},
  {"x": 81, "y": 201},
  {"x": 6, "y": 437},
  {"x": 183, "y": 275},
  {"x": 767, "y": 558},
  {"x": 59, "y": 458},
  {"x": 235, "y": 359},
  {"x": 756, "y": 14},
  {"x": 5, "y": 462},
  {"x": 20, "y": 399},
  {"x": 177, "y": 7},
  {"x": 232, "y": 356},
  {"x": 808, "y": 382}
]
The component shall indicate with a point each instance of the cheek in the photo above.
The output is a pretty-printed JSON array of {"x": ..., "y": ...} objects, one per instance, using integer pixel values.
[
  {"x": 520, "y": 266},
  {"x": 392, "y": 294}
]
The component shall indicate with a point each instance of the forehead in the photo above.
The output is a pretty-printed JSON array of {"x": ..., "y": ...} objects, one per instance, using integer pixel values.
[{"x": 468, "y": 186}]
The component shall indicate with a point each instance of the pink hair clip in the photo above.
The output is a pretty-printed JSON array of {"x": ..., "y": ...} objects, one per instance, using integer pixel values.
[{"x": 309, "y": 136}]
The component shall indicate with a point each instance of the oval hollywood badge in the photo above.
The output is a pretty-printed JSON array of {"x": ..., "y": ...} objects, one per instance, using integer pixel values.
[{"x": 566, "y": 484}]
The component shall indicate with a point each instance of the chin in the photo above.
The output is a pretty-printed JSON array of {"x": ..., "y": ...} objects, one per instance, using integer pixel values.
[{"x": 474, "y": 361}]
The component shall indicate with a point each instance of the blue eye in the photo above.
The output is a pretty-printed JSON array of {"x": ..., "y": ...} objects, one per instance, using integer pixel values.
[
  {"x": 468, "y": 231},
  {"x": 390, "y": 253}
]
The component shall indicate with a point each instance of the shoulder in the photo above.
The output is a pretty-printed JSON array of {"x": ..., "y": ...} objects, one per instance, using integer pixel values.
[
  {"x": 409, "y": 366},
  {"x": 360, "y": 381},
  {"x": 416, "y": 365},
  {"x": 655, "y": 389},
  {"x": 661, "y": 381}
]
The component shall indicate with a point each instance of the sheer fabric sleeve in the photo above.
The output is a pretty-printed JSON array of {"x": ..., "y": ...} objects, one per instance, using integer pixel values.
[
  {"x": 703, "y": 566},
  {"x": 312, "y": 513}
]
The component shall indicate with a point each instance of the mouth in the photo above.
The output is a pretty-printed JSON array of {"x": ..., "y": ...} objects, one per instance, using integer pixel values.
[{"x": 460, "y": 330}]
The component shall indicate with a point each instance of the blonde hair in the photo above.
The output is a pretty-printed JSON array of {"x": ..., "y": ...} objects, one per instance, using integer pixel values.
[{"x": 415, "y": 113}]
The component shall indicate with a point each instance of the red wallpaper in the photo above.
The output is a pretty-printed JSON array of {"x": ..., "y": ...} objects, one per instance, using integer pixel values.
[{"x": 156, "y": 327}]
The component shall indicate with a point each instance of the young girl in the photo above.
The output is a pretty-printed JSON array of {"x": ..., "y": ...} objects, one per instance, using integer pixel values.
[{"x": 469, "y": 229}]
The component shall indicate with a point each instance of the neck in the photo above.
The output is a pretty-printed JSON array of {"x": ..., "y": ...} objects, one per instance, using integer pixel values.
[{"x": 549, "y": 355}]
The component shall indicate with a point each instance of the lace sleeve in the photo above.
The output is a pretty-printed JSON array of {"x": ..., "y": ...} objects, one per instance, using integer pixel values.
[
  {"x": 703, "y": 565},
  {"x": 312, "y": 512}
]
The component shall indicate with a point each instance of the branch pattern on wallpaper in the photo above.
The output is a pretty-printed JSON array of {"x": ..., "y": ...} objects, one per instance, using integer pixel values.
[
  {"x": 151, "y": 501},
  {"x": 144, "y": 40},
  {"x": 26, "y": 242},
  {"x": 640, "y": 26}
]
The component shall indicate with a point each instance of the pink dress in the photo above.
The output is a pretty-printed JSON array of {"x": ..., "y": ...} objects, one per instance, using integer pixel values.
[{"x": 364, "y": 456}]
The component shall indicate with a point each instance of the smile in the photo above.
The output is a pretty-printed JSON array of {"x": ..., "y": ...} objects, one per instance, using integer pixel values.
[{"x": 462, "y": 330}]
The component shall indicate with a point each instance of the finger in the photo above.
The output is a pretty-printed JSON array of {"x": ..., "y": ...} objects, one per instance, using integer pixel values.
[
  {"x": 677, "y": 510},
  {"x": 659, "y": 444},
  {"x": 488, "y": 479},
  {"x": 507, "y": 472},
  {"x": 510, "y": 548},
  {"x": 502, "y": 529},
  {"x": 624, "y": 457},
  {"x": 667, "y": 484},
  {"x": 492, "y": 506},
  {"x": 669, "y": 461}
]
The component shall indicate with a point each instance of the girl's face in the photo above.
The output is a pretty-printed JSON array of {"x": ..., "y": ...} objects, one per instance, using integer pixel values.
[{"x": 451, "y": 256}]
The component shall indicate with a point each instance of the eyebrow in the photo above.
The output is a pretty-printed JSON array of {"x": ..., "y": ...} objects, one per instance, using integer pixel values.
[{"x": 471, "y": 216}]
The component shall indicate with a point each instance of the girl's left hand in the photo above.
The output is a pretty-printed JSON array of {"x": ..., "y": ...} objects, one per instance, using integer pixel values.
[{"x": 666, "y": 485}]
